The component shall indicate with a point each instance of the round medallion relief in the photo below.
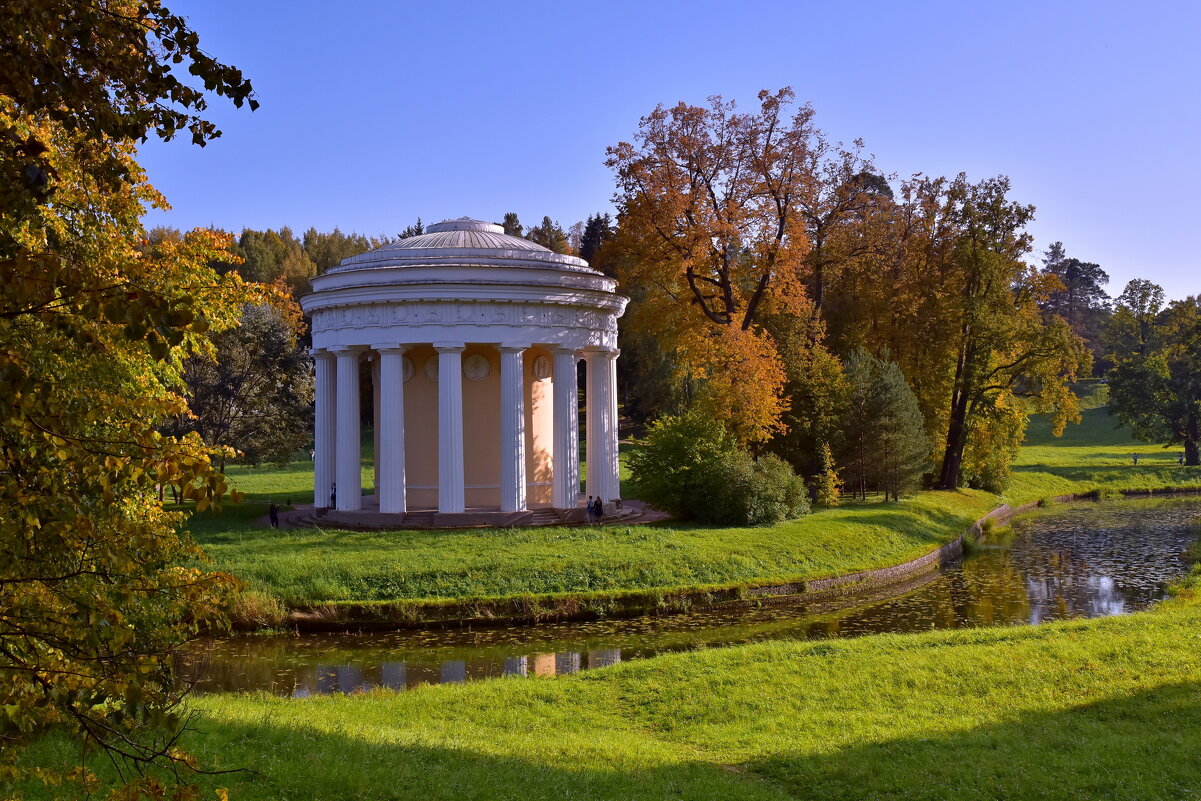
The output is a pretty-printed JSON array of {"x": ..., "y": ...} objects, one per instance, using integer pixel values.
[
  {"x": 431, "y": 368},
  {"x": 542, "y": 368},
  {"x": 476, "y": 367},
  {"x": 406, "y": 369}
]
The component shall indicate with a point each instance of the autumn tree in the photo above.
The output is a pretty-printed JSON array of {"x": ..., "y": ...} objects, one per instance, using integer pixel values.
[
  {"x": 92, "y": 328},
  {"x": 710, "y": 225},
  {"x": 1155, "y": 383}
]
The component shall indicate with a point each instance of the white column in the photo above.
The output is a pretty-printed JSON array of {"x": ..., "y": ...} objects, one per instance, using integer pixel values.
[
  {"x": 512, "y": 428},
  {"x": 375, "y": 444},
  {"x": 451, "y": 493},
  {"x": 323, "y": 428},
  {"x": 595, "y": 406},
  {"x": 390, "y": 458},
  {"x": 565, "y": 452},
  {"x": 613, "y": 467},
  {"x": 349, "y": 473}
]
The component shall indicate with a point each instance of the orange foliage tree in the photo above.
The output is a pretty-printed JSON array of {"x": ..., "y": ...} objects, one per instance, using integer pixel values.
[{"x": 712, "y": 238}]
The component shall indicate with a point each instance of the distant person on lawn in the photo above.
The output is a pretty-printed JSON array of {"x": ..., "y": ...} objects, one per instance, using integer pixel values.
[{"x": 273, "y": 514}]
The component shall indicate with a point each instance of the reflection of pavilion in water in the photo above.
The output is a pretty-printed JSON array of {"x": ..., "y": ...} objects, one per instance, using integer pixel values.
[{"x": 326, "y": 679}]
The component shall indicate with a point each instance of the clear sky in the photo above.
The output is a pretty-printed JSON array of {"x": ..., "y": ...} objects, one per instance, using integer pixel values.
[{"x": 375, "y": 113}]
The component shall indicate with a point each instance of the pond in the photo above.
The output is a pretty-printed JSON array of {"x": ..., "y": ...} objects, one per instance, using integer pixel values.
[{"x": 1080, "y": 560}]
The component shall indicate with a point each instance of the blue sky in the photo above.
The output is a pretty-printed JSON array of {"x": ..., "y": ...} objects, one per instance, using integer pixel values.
[{"x": 374, "y": 113}]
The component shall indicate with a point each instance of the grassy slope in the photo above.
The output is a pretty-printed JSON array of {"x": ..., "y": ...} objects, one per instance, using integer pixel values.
[
  {"x": 1109, "y": 708},
  {"x": 301, "y": 566}
]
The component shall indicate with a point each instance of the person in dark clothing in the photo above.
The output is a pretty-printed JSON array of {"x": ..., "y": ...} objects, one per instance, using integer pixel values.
[
  {"x": 598, "y": 510},
  {"x": 273, "y": 514},
  {"x": 333, "y": 496}
]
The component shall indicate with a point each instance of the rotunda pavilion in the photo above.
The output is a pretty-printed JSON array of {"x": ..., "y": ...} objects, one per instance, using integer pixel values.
[{"x": 473, "y": 339}]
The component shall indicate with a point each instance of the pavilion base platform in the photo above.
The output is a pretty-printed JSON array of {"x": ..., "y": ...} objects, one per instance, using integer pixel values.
[{"x": 369, "y": 518}]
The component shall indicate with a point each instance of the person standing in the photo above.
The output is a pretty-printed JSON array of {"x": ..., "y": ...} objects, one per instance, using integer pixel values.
[
  {"x": 589, "y": 514},
  {"x": 273, "y": 514},
  {"x": 599, "y": 511}
]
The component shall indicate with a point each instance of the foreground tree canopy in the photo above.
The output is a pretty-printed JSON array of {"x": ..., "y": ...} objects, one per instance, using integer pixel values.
[
  {"x": 93, "y": 327},
  {"x": 759, "y": 255}
]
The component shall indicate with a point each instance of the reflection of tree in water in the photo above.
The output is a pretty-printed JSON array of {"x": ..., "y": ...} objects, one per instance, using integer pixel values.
[{"x": 1101, "y": 560}]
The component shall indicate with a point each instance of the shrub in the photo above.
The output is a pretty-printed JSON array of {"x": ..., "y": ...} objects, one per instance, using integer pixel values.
[
  {"x": 827, "y": 488},
  {"x": 691, "y": 467}
]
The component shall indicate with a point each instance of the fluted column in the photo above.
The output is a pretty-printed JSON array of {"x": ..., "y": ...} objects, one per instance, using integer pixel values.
[
  {"x": 565, "y": 452},
  {"x": 451, "y": 492},
  {"x": 391, "y": 455},
  {"x": 512, "y": 429},
  {"x": 375, "y": 427},
  {"x": 613, "y": 466},
  {"x": 324, "y": 428},
  {"x": 348, "y": 472}
]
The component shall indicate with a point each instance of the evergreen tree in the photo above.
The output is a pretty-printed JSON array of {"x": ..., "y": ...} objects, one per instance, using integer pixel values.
[
  {"x": 598, "y": 230},
  {"x": 1081, "y": 301},
  {"x": 416, "y": 229},
  {"x": 511, "y": 224},
  {"x": 887, "y": 446},
  {"x": 902, "y": 446},
  {"x": 550, "y": 235}
]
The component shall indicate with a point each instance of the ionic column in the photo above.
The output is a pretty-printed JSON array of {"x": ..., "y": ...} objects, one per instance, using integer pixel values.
[
  {"x": 390, "y": 458},
  {"x": 595, "y": 406},
  {"x": 565, "y": 451},
  {"x": 512, "y": 429},
  {"x": 451, "y": 492},
  {"x": 324, "y": 428},
  {"x": 348, "y": 472}
]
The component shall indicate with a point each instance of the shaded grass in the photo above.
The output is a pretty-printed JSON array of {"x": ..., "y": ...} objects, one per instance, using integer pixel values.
[{"x": 1108, "y": 708}]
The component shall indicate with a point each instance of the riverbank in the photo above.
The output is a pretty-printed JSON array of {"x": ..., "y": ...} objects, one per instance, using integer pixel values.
[
  {"x": 1106, "y": 708},
  {"x": 318, "y": 578}
]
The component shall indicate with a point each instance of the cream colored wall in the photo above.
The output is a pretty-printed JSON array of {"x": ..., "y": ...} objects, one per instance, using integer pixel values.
[
  {"x": 481, "y": 431},
  {"x": 539, "y": 432},
  {"x": 421, "y": 432}
]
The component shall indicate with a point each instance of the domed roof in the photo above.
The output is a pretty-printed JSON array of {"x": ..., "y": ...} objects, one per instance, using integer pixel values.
[{"x": 462, "y": 242}]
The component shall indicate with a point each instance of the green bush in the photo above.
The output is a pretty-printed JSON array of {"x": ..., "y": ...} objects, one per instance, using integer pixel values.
[{"x": 691, "y": 467}]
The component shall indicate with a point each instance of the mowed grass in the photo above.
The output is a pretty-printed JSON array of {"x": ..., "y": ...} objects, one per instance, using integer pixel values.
[
  {"x": 1101, "y": 709},
  {"x": 309, "y": 566}
]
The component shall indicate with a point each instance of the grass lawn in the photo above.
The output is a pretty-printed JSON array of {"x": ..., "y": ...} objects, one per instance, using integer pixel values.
[
  {"x": 316, "y": 566},
  {"x": 1101, "y": 709}
]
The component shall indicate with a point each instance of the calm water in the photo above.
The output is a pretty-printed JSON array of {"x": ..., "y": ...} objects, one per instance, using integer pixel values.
[{"x": 1084, "y": 560}]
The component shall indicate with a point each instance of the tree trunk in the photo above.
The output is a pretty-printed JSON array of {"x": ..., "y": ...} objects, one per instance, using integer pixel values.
[
  {"x": 952, "y": 460},
  {"x": 1192, "y": 457}
]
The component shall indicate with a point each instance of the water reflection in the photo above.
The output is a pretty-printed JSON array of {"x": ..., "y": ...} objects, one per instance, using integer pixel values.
[{"x": 1086, "y": 560}]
